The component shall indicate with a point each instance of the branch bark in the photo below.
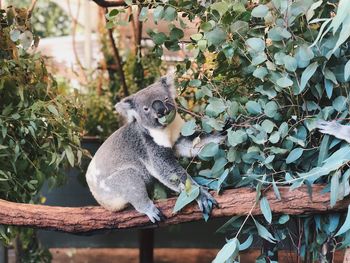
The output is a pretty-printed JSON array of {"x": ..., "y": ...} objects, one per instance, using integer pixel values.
[
  {"x": 232, "y": 202},
  {"x": 118, "y": 61},
  {"x": 111, "y": 3},
  {"x": 30, "y": 9}
]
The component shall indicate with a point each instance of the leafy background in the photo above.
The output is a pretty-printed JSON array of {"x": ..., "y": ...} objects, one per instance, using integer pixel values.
[
  {"x": 39, "y": 132},
  {"x": 275, "y": 68}
]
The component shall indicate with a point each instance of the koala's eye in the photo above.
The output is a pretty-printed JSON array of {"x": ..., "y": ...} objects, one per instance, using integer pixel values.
[
  {"x": 145, "y": 108},
  {"x": 166, "y": 98}
]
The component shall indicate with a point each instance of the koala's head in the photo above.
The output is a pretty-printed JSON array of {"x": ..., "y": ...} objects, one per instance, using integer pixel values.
[{"x": 150, "y": 104}]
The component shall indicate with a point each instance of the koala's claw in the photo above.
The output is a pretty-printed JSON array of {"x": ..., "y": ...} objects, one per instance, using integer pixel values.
[
  {"x": 155, "y": 215},
  {"x": 205, "y": 201},
  {"x": 328, "y": 127}
]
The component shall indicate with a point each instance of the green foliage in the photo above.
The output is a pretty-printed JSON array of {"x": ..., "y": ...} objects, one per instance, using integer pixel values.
[
  {"x": 56, "y": 24},
  {"x": 275, "y": 69},
  {"x": 100, "y": 118},
  {"x": 38, "y": 134}
]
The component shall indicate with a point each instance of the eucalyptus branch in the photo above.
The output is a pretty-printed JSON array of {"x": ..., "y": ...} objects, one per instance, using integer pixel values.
[
  {"x": 118, "y": 61},
  {"x": 245, "y": 220},
  {"x": 111, "y": 3},
  {"x": 31, "y": 8},
  {"x": 74, "y": 30}
]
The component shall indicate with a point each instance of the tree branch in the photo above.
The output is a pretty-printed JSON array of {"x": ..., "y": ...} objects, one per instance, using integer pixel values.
[
  {"x": 31, "y": 8},
  {"x": 232, "y": 202},
  {"x": 118, "y": 61},
  {"x": 111, "y": 3}
]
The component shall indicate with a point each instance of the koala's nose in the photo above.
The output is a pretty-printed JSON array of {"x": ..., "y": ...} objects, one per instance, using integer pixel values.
[{"x": 160, "y": 108}]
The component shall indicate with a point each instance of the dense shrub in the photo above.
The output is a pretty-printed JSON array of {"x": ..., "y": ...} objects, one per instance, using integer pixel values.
[
  {"x": 275, "y": 68},
  {"x": 38, "y": 134}
]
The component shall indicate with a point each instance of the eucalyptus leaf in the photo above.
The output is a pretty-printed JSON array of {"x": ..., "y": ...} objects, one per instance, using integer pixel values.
[
  {"x": 347, "y": 71},
  {"x": 265, "y": 209},
  {"x": 209, "y": 150},
  {"x": 247, "y": 243},
  {"x": 334, "y": 187},
  {"x": 215, "y": 37},
  {"x": 294, "y": 155},
  {"x": 186, "y": 198},
  {"x": 284, "y": 82},
  {"x": 253, "y": 107},
  {"x": 158, "y": 13},
  {"x": 221, "y": 7},
  {"x": 229, "y": 250},
  {"x": 264, "y": 233},
  {"x": 255, "y": 45},
  {"x": 260, "y": 11},
  {"x": 270, "y": 109},
  {"x": 307, "y": 74},
  {"x": 188, "y": 128},
  {"x": 143, "y": 14},
  {"x": 346, "y": 225}
]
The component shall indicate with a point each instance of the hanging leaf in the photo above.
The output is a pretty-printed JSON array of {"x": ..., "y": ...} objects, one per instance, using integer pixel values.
[
  {"x": 265, "y": 209},
  {"x": 143, "y": 14},
  {"x": 323, "y": 150},
  {"x": 264, "y": 233},
  {"x": 246, "y": 244},
  {"x": 334, "y": 187},
  {"x": 346, "y": 225},
  {"x": 307, "y": 74},
  {"x": 275, "y": 190},
  {"x": 229, "y": 250},
  {"x": 170, "y": 14},
  {"x": 347, "y": 71},
  {"x": 158, "y": 13},
  {"x": 70, "y": 155},
  {"x": 283, "y": 219}
]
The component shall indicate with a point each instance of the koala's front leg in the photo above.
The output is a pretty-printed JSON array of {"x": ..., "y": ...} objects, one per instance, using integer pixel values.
[
  {"x": 174, "y": 176},
  {"x": 339, "y": 131}
]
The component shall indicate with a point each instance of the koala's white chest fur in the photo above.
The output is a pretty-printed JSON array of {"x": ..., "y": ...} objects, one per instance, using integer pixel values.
[{"x": 168, "y": 136}]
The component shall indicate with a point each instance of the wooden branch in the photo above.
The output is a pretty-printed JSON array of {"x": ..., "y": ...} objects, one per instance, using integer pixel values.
[
  {"x": 118, "y": 61},
  {"x": 232, "y": 202},
  {"x": 31, "y": 8},
  {"x": 111, "y": 3}
]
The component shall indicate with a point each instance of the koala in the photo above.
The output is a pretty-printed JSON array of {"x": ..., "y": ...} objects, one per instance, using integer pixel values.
[
  {"x": 143, "y": 150},
  {"x": 339, "y": 131}
]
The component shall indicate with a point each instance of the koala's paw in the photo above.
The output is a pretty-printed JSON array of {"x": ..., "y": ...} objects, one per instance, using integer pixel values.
[
  {"x": 328, "y": 127},
  {"x": 206, "y": 201},
  {"x": 155, "y": 215}
]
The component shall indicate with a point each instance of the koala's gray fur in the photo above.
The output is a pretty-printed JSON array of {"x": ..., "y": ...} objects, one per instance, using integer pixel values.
[{"x": 124, "y": 167}]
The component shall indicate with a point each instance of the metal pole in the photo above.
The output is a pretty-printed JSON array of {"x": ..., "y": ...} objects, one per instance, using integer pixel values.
[
  {"x": 3, "y": 254},
  {"x": 146, "y": 245}
]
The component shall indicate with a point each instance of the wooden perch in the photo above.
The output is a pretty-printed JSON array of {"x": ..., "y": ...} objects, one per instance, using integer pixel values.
[
  {"x": 111, "y": 3},
  {"x": 232, "y": 202}
]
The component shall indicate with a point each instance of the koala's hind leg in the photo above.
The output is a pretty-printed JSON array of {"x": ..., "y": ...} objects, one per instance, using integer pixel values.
[{"x": 130, "y": 185}]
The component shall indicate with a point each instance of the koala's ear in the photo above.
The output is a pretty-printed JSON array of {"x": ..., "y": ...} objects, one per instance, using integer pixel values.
[
  {"x": 169, "y": 84},
  {"x": 126, "y": 108}
]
